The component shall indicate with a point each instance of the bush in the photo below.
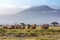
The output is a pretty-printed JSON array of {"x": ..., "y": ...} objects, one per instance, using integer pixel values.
[
  {"x": 46, "y": 39},
  {"x": 51, "y": 30},
  {"x": 2, "y": 32}
]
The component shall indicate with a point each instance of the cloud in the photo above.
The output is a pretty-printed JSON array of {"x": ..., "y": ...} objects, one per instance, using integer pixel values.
[
  {"x": 11, "y": 9},
  {"x": 15, "y": 6}
]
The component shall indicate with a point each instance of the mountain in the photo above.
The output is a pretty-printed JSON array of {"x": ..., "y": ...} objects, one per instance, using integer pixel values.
[
  {"x": 39, "y": 15},
  {"x": 40, "y": 8}
]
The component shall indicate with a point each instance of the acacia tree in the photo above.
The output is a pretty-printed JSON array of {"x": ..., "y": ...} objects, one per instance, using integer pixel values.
[
  {"x": 22, "y": 25},
  {"x": 54, "y": 23}
]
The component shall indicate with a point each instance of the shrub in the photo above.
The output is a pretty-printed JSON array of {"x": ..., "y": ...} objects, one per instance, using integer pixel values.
[
  {"x": 46, "y": 39},
  {"x": 51, "y": 30},
  {"x": 2, "y": 32}
]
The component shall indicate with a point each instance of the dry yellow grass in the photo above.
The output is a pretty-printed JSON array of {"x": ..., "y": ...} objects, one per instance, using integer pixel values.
[{"x": 55, "y": 36}]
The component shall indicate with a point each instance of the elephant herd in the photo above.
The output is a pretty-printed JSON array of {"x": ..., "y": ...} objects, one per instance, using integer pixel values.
[
  {"x": 19, "y": 26},
  {"x": 33, "y": 26}
]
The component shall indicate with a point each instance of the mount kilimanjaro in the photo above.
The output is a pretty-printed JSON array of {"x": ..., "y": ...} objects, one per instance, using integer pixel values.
[{"x": 37, "y": 14}]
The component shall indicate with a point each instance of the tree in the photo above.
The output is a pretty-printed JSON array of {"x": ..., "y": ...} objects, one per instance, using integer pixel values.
[
  {"x": 54, "y": 23},
  {"x": 22, "y": 25}
]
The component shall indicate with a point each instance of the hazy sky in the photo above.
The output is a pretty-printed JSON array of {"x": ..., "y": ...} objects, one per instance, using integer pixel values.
[
  {"x": 13, "y": 6},
  {"x": 30, "y": 2}
]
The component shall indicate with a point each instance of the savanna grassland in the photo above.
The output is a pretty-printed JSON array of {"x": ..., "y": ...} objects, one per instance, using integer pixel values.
[{"x": 53, "y": 33}]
